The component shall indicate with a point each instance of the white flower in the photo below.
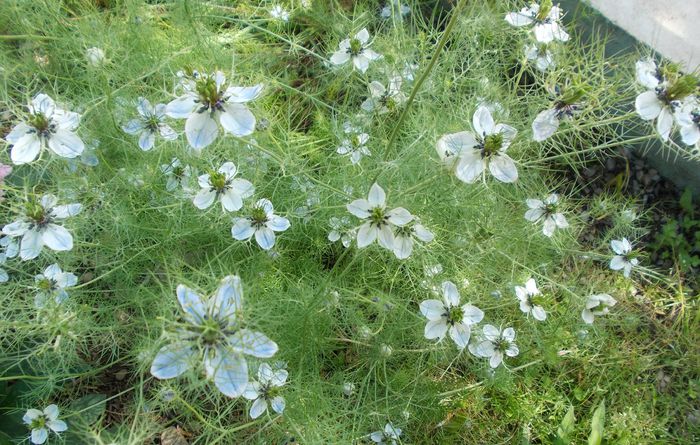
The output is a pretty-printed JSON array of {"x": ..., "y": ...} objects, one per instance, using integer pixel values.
[
  {"x": 390, "y": 435},
  {"x": 527, "y": 296},
  {"x": 265, "y": 390},
  {"x": 383, "y": 99},
  {"x": 52, "y": 284},
  {"x": 348, "y": 388},
  {"x": 208, "y": 97},
  {"x": 150, "y": 123},
  {"x": 354, "y": 145},
  {"x": 409, "y": 71},
  {"x": 38, "y": 227},
  {"x": 666, "y": 89},
  {"x": 262, "y": 223},
  {"x": 355, "y": 49},
  {"x": 547, "y": 213},
  {"x": 688, "y": 118},
  {"x": 224, "y": 186},
  {"x": 495, "y": 344},
  {"x": 378, "y": 222},
  {"x": 212, "y": 330},
  {"x": 404, "y": 235},
  {"x": 49, "y": 126},
  {"x": 564, "y": 107},
  {"x": 279, "y": 13},
  {"x": 341, "y": 230},
  {"x": 448, "y": 316},
  {"x": 623, "y": 260},
  {"x": 546, "y": 19},
  {"x": 177, "y": 175},
  {"x": 95, "y": 56},
  {"x": 598, "y": 304},
  {"x": 41, "y": 422},
  {"x": 477, "y": 152},
  {"x": 541, "y": 55},
  {"x": 395, "y": 8}
]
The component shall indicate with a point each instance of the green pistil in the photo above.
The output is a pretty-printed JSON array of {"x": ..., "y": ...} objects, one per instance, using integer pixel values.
[
  {"x": 179, "y": 171},
  {"x": 550, "y": 209},
  {"x": 388, "y": 102},
  {"x": 45, "y": 284},
  {"x": 572, "y": 96},
  {"x": 217, "y": 181},
  {"x": 152, "y": 123},
  {"x": 500, "y": 344},
  {"x": 211, "y": 331},
  {"x": 258, "y": 216},
  {"x": 209, "y": 95},
  {"x": 35, "y": 212},
  {"x": 269, "y": 392},
  {"x": 492, "y": 143},
  {"x": 40, "y": 122},
  {"x": 38, "y": 423},
  {"x": 682, "y": 88},
  {"x": 535, "y": 300},
  {"x": 455, "y": 315},
  {"x": 355, "y": 47},
  {"x": 545, "y": 8},
  {"x": 377, "y": 216},
  {"x": 355, "y": 141}
]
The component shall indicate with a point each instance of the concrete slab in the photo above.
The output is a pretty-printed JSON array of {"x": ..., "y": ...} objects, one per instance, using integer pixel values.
[{"x": 671, "y": 27}]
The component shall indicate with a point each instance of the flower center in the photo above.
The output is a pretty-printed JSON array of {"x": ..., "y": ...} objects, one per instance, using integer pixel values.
[
  {"x": 217, "y": 181},
  {"x": 355, "y": 47},
  {"x": 388, "y": 101},
  {"x": 377, "y": 216},
  {"x": 46, "y": 284},
  {"x": 501, "y": 344},
  {"x": 42, "y": 125},
  {"x": 545, "y": 8},
  {"x": 209, "y": 95},
  {"x": 37, "y": 214},
  {"x": 404, "y": 231},
  {"x": 454, "y": 315},
  {"x": 258, "y": 217},
  {"x": 492, "y": 143},
  {"x": 683, "y": 87},
  {"x": 268, "y": 392},
  {"x": 212, "y": 330},
  {"x": 355, "y": 141},
  {"x": 179, "y": 172},
  {"x": 38, "y": 423},
  {"x": 152, "y": 123}
]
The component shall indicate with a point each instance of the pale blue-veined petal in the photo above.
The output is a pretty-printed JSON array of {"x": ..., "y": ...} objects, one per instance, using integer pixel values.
[
  {"x": 31, "y": 245},
  {"x": 204, "y": 198},
  {"x": 42, "y": 104},
  {"x": 377, "y": 197},
  {"x": 192, "y": 303},
  {"x": 432, "y": 309},
  {"x": 31, "y": 414},
  {"x": 26, "y": 149},
  {"x": 545, "y": 124},
  {"x": 503, "y": 168},
  {"x": 57, "y": 426},
  {"x": 181, "y": 107},
  {"x": 252, "y": 390},
  {"x": 470, "y": 166},
  {"x": 359, "y": 208},
  {"x": 39, "y": 435},
  {"x": 201, "y": 130},
  {"x": 366, "y": 235},
  {"x": 258, "y": 407},
  {"x": 648, "y": 105},
  {"x": 147, "y": 140},
  {"x": 133, "y": 127},
  {"x": 231, "y": 201},
  {"x": 172, "y": 360},
  {"x": 253, "y": 343},
  {"x": 435, "y": 329},
  {"x": 278, "y": 404},
  {"x": 278, "y": 223},
  {"x": 57, "y": 238},
  {"x": 17, "y": 228},
  {"x": 450, "y": 294},
  {"x": 17, "y": 132},
  {"x": 228, "y": 369},
  {"x": 265, "y": 238},
  {"x": 482, "y": 121},
  {"x": 66, "y": 211},
  {"x": 340, "y": 57},
  {"x": 243, "y": 94},
  {"x": 237, "y": 119},
  {"x": 228, "y": 299},
  {"x": 242, "y": 229},
  {"x": 51, "y": 412},
  {"x": 66, "y": 144},
  {"x": 385, "y": 237}
]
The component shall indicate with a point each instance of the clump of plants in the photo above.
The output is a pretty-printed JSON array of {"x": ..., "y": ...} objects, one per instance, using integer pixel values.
[{"x": 332, "y": 222}]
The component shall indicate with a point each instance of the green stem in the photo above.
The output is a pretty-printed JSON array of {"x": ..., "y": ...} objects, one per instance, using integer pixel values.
[{"x": 596, "y": 148}]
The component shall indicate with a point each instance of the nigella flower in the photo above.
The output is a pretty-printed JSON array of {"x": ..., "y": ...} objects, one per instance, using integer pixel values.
[
  {"x": 38, "y": 227},
  {"x": 95, "y": 56},
  {"x": 52, "y": 284},
  {"x": 224, "y": 186},
  {"x": 529, "y": 299},
  {"x": 208, "y": 97},
  {"x": 262, "y": 222},
  {"x": 545, "y": 18},
  {"x": 666, "y": 89},
  {"x": 355, "y": 144},
  {"x": 404, "y": 236},
  {"x": 541, "y": 55},
  {"x": 688, "y": 118},
  {"x": 596, "y": 305},
  {"x": 265, "y": 390},
  {"x": 389, "y": 435},
  {"x": 47, "y": 125},
  {"x": 495, "y": 344},
  {"x": 546, "y": 211},
  {"x": 477, "y": 152},
  {"x": 448, "y": 316},
  {"x": 383, "y": 99},
  {"x": 150, "y": 123},
  {"x": 624, "y": 260},
  {"x": 356, "y": 49},
  {"x": 177, "y": 175},
  {"x": 564, "y": 107},
  {"x": 378, "y": 222},
  {"x": 341, "y": 230},
  {"x": 40, "y": 422},
  {"x": 212, "y": 329},
  {"x": 279, "y": 13},
  {"x": 395, "y": 8}
]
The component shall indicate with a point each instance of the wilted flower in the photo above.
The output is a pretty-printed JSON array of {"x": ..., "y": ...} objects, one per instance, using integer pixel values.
[
  {"x": 262, "y": 223},
  {"x": 545, "y": 18},
  {"x": 150, "y": 123},
  {"x": 224, "y": 186},
  {"x": 390, "y": 435},
  {"x": 208, "y": 97},
  {"x": 547, "y": 213},
  {"x": 52, "y": 284},
  {"x": 596, "y": 305},
  {"x": 40, "y": 422},
  {"x": 265, "y": 390},
  {"x": 95, "y": 56},
  {"x": 565, "y": 106},
  {"x": 541, "y": 55},
  {"x": 212, "y": 329},
  {"x": 355, "y": 49},
  {"x": 477, "y": 152},
  {"x": 47, "y": 125},
  {"x": 348, "y": 388},
  {"x": 623, "y": 260},
  {"x": 38, "y": 228},
  {"x": 383, "y": 99},
  {"x": 341, "y": 230},
  {"x": 448, "y": 316},
  {"x": 495, "y": 344},
  {"x": 529, "y": 296},
  {"x": 378, "y": 222}
]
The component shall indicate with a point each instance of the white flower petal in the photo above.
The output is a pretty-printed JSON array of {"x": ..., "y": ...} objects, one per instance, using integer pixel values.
[
  {"x": 237, "y": 120},
  {"x": 432, "y": 309},
  {"x": 258, "y": 407},
  {"x": 545, "y": 124},
  {"x": 26, "y": 149},
  {"x": 204, "y": 198},
  {"x": 366, "y": 235},
  {"x": 242, "y": 229},
  {"x": 39, "y": 435},
  {"x": 243, "y": 94},
  {"x": 470, "y": 166},
  {"x": 359, "y": 208},
  {"x": 191, "y": 302},
  {"x": 172, "y": 360},
  {"x": 265, "y": 238},
  {"x": 503, "y": 168},
  {"x": 278, "y": 404},
  {"x": 57, "y": 238},
  {"x": 253, "y": 343},
  {"x": 460, "y": 334},
  {"x": 483, "y": 121},
  {"x": 230, "y": 371},
  {"x": 201, "y": 130},
  {"x": 377, "y": 197},
  {"x": 648, "y": 105},
  {"x": 450, "y": 293},
  {"x": 147, "y": 140},
  {"x": 31, "y": 245},
  {"x": 435, "y": 329},
  {"x": 66, "y": 144},
  {"x": 181, "y": 107}
]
